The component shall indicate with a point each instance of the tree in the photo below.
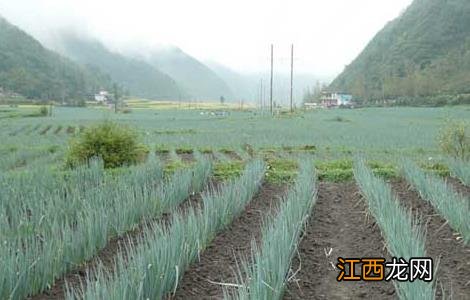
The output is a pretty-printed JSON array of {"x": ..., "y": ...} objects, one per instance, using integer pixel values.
[{"x": 116, "y": 96}]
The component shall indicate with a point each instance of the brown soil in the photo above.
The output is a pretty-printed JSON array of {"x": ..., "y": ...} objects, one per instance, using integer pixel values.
[
  {"x": 164, "y": 156},
  {"x": 187, "y": 157},
  {"x": 459, "y": 186},
  {"x": 107, "y": 255},
  {"x": 232, "y": 155},
  {"x": 441, "y": 244},
  {"x": 337, "y": 228},
  {"x": 218, "y": 263}
]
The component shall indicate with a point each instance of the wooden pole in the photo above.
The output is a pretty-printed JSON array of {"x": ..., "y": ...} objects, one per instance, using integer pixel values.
[
  {"x": 291, "y": 77},
  {"x": 271, "y": 88}
]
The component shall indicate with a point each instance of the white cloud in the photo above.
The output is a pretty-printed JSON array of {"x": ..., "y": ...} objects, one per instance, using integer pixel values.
[{"x": 327, "y": 34}]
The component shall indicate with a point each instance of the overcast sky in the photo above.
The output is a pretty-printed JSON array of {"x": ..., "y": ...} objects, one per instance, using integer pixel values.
[{"x": 327, "y": 34}]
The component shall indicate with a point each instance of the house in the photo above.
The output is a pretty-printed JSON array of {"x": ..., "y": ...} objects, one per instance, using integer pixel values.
[
  {"x": 311, "y": 105},
  {"x": 102, "y": 96},
  {"x": 336, "y": 99}
]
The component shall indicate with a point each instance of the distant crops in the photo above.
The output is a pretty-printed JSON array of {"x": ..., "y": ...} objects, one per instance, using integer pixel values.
[{"x": 273, "y": 198}]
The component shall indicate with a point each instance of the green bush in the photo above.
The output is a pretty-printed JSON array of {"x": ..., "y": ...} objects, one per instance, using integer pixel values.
[
  {"x": 115, "y": 144},
  {"x": 43, "y": 111},
  {"x": 454, "y": 140}
]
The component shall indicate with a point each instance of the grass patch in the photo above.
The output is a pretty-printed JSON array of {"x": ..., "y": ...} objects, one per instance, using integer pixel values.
[
  {"x": 281, "y": 170},
  {"x": 436, "y": 168},
  {"x": 162, "y": 149},
  {"x": 228, "y": 169},
  {"x": 184, "y": 150},
  {"x": 172, "y": 166},
  {"x": 206, "y": 150},
  {"x": 304, "y": 148},
  {"x": 342, "y": 170}
]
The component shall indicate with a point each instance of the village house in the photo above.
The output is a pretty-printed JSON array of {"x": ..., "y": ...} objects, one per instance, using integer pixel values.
[
  {"x": 102, "y": 96},
  {"x": 335, "y": 99}
]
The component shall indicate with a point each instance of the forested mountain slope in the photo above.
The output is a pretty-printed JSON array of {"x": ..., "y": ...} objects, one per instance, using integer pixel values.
[
  {"x": 423, "y": 55},
  {"x": 29, "y": 69}
]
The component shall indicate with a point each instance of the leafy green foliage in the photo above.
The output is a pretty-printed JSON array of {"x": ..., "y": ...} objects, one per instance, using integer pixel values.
[
  {"x": 43, "y": 111},
  {"x": 115, "y": 144},
  {"x": 281, "y": 170},
  {"x": 228, "y": 169},
  {"x": 454, "y": 140},
  {"x": 422, "y": 57},
  {"x": 342, "y": 170}
]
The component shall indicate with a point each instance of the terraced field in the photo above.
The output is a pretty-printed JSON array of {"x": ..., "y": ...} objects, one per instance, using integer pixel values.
[{"x": 235, "y": 207}]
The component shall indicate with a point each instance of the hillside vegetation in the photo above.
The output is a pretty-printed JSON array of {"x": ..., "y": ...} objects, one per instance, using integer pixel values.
[
  {"x": 29, "y": 69},
  {"x": 138, "y": 77},
  {"x": 422, "y": 57}
]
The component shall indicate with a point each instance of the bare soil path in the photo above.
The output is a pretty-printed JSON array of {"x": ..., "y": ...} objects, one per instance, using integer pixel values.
[
  {"x": 218, "y": 263},
  {"x": 338, "y": 227}
]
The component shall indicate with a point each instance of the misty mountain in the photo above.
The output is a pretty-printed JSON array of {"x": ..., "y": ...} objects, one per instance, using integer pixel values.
[
  {"x": 138, "y": 77},
  {"x": 244, "y": 86},
  {"x": 29, "y": 69},
  {"x": 417, "y": 57},
  {"x": 200, "y": 82}
]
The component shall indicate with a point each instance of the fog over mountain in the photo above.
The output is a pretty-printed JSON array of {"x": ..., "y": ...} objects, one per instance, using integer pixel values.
[{"x": 235, "y": 36}]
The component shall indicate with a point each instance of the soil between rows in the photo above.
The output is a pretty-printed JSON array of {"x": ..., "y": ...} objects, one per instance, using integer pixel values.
[
  {"x": 338, "y": 227},
  {"x": 107, "y": 255},
  {"x": 459, "y": 187},
  {"x": 218, "y": 263},
  {"x": 453, "y": 271}
]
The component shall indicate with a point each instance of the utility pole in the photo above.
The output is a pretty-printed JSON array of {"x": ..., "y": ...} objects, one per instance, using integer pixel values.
[
  {"x": 271, "y": 89},
  {"x": 291, "y": 76},
  {"x": 261, "y": 94}
]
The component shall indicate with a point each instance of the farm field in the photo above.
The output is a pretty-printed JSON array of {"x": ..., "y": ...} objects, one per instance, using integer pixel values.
[{"x": 232, "y": 204}]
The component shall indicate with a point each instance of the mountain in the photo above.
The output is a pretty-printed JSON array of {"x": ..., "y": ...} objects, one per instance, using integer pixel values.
[
  {"x": 422, "y": 55},
  {"x": 29, "y": 69},
  {"x": 138, "y": 77},
  {"x": 200, "y": 82},
  {"x": 244, "y": 87}
]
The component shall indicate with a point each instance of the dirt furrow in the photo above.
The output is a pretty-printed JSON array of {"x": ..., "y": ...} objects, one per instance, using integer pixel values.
[
  {"x": 459, "y": 186},
  {"x": 107, "y": 255},
  {"x": 218, "y": 263},
  {"x": 338, "y": 227},
  {"x": 441, "y": 244}
]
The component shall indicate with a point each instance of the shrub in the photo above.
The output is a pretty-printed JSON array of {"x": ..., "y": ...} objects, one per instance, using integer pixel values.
[
  {"x": 454, "y": 140},
  {"x": 115, "y": 144},
  {"x": 43, "y": 111}
]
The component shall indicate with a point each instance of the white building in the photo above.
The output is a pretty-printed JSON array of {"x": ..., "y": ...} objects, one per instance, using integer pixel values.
[{"x": 102, "y": 96}]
